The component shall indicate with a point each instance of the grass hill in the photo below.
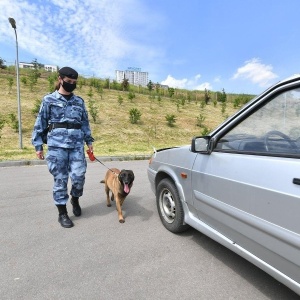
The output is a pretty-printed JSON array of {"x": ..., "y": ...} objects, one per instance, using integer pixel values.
[{"x": 113, "y": 132}]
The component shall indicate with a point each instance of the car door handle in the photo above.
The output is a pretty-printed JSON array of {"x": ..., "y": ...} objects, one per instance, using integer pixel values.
[{"x": 296, "y": 181}]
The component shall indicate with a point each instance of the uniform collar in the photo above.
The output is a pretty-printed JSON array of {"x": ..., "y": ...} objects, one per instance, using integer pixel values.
[{"x": 60, "y": 96}]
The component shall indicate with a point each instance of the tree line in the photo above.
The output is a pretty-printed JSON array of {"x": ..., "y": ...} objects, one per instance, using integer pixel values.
[{"x": 155, "y": 91}]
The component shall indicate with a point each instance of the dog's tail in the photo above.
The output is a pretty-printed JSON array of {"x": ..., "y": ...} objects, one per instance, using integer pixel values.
[{"x": 102, "y": 181}]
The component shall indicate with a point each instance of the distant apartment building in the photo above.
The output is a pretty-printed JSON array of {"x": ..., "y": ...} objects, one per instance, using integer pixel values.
[
  {"x": 50, "y": 68},
  {"x": 134, "y": 76},
  {"x": 24, "y": 65}
]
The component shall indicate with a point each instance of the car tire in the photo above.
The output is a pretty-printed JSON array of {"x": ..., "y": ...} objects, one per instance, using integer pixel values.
[{"x": 169, "y": 207}]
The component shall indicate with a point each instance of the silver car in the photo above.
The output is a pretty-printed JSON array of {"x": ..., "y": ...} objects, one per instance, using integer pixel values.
[{"x": 240, "y": 185}]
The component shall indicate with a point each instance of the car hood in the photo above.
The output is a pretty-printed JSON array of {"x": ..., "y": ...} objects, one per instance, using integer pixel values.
[
  {"x": 175, "y": 156},
  {"x": 168, "y": 148}
]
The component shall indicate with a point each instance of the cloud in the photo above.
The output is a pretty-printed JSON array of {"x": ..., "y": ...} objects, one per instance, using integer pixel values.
[
  {"x": 189, "y": 84},
  {"x": 174, "y": 83},
  {"x": 217, "y": 79},
  {"x": 93, "y": 36},
  {"x": 203, "y": 86},
  {"x": 257, "y": 72}
]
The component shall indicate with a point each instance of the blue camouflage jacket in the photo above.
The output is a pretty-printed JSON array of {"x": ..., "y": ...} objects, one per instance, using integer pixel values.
[{"x": 56, "y": 109}]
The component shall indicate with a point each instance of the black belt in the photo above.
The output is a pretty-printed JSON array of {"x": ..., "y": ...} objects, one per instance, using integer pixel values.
[{"x": 64, "y": 125}]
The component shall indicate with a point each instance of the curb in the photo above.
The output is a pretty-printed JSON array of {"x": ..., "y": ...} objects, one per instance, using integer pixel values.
[{"x": 37, "y": 162}]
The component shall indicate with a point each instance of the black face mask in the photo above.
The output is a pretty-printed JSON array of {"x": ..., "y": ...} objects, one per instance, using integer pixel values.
[{"x": 69, "y": 87}]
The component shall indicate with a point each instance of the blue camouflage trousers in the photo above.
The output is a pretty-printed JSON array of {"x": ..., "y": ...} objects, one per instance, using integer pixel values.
[{"x": 62, "y": 164}]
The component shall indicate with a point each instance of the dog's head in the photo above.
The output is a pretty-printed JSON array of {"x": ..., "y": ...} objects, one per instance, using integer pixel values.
[{"x": 126, "y": 178}]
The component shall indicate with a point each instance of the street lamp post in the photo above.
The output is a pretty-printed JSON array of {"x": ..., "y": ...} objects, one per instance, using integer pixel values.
[{"x": 13, "y": 25}]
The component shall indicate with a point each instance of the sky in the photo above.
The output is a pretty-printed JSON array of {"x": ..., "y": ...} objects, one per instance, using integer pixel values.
[{"x": 241, "y": 46}]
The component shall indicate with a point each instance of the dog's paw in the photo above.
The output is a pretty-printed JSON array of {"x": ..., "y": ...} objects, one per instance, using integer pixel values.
[
  {"x": 122, "y": 221},
  {"x": 108, "y": 205}
]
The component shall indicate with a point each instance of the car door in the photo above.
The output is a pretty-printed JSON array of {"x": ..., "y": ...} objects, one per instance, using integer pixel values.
[{"x": 248, "y": 188}]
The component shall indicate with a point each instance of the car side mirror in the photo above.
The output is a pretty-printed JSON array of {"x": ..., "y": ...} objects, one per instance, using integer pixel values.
[{"x": 200, "y": 144}]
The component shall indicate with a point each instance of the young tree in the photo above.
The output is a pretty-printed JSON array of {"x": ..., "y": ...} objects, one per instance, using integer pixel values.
[
  {"x": 207, "y": 96},
  {"x": 24, "y": 80},
  {"x": 115, "y": 85},
  {"x": 120, "y": 99},
  {"x": 10, "y": 83},
  {"x": 150, "y": 86},
  {"x": 131, "y": 95},
  {"x": 2, "y": 123},
  {"x": 171, "y": 92},
  {"x": 189, "y": 98},
  {"x": 171, "y": 120},
  {"x": 51, "y": 82},
  {"x": 93, "y": 109},
  {"x": 107, "y": 83},
  {"x": 241, "y": 100},
  {"x": 200, "y": 120},
  {"x": 90, "y": 92},
  {"x": 2, "y": 64},
  {"x": 205, "y": 130},
  {"x": 14, "y": 121},
  {"x": 134, "y": 115},
  {"x": 125, "y": 84},
  {"x": 36, "y": 107},
  {"x": 159, "y": 99},
  {"x": 223, "y": 109},
  {"x": 222, "y": 97},
  {"x": 34, "y": 74},
  {"x": 157, "y": 88},
  {"x": 37, "y": 65}
]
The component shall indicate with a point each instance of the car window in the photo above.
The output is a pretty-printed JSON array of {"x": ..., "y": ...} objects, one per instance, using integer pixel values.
[{"x": 273, "y": 129}]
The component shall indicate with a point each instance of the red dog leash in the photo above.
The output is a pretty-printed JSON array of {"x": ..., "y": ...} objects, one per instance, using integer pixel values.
[{"x": 93, "y": 158}]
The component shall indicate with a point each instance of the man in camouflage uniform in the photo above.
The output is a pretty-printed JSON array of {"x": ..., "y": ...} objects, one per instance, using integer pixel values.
[{"x": 69, "y": 129}]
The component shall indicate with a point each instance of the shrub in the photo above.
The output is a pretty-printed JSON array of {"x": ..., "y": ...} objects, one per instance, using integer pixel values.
[
  {"x": 2, "y": 123},
  {"x": 36, "y": 107},
  {"x": 90, "y": 92},
  {"x": 24, "y": 80},
  {"x": 134, "y": 115},
  {"x": 120, "y": 99},
  {"x": 159, "y": 99},
  {"x": 14, "y": 121},
  {"x": 93, "y": 109},
  {"x": 200, "y": 120},
  {"x": 171, "y": 120},
  {"x": 205, "y": 131},
  {"x": 10, "y": 83},
  {"x": 223, "y": 109},
  {"x": 131, "y": 96},
  {"x": 51, "y": 82}
]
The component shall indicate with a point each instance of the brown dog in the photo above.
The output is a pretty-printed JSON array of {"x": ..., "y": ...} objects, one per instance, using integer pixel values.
[{"x": 119, "y": 183}]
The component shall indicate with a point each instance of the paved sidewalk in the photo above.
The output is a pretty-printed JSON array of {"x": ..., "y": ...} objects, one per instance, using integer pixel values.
[{"x": 35, "y": 162}]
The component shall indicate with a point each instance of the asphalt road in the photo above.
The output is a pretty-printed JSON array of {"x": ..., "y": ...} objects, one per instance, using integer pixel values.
[{"x": 99, "y": 258}]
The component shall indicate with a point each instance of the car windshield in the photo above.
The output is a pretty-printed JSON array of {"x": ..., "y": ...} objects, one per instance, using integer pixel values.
[{"x": 272, "y": 129}]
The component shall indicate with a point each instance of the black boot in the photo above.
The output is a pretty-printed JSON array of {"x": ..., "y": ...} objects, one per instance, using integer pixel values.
[
  {"x": 63, "y": 217},
  {"x": 76, "y": 206}
]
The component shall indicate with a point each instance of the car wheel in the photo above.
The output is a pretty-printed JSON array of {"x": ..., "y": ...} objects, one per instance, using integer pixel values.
[{"x": 169, "y": 207}]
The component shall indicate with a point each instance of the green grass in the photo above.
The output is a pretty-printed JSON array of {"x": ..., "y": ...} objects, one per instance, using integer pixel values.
[{"x": 113, "y": 132}]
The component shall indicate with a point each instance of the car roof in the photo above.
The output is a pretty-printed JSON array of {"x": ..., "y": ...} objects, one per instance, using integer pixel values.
[{"x": 290, "y": 77}]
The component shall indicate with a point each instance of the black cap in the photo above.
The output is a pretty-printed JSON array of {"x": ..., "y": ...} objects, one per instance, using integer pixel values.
[{"x": 69, "y": 72}]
